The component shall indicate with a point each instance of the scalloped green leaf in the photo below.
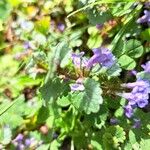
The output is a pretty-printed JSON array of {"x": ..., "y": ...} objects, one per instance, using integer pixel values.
[
  {"x": 113, "y": 137},
  {"x": 53, "y": 89},
  {"x": 97, "y": 120},
  {"x": 90, "y": 99},
  {"x": 63, "y": 101},
  {"x": 97, "y": 17},
  {"x": 60, "y": 54}
]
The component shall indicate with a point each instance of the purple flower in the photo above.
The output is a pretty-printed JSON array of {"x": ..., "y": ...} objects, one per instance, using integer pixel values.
[
  {"x": 78, "y": 86},
  {"x": 144, "y": 89},
  {"x": 27, "y": 142},
  {"x": 128, "y": 111},
  {"x": 19, "y": 138},
  {"x": 27, "y": 25},
  {"x": 139, "y": 83},
  {"x": 133, "y": 72},
  {"x": 55, "y": 135},
  {"x": 26, "y": 45},
  {"x": 139, "y": 94},
  {"x": 129, "y": 97},
  {"x": 61, "y": 27},
  {"x": 138, "y": 97},
  {"x": 146, "y": 67},
  {"x": 142, "y": 103},
  {"x": 77, "y": 59},
  {"x": 22, "y": 143},
  {"x": 147, "y": 5},
  {"x": 99, "y": 26},
  {"x": 113, "y": 121},
  {"x": 137, "y": 123},
  {"x": 145, "y": 18},
  {"x": 102, "y": 56},
  {"x": 20, "y": 146},
  {"x": 18, "y": 141}
]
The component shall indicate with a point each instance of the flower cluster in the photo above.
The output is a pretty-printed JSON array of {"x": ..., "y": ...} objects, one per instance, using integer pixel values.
[
  {"x": 139, "y": 95},
  {"x": 101, "y": 56}
]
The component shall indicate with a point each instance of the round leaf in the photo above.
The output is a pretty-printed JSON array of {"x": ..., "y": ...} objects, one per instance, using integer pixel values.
[
  {"x": 127, "y": 62},
  {"x": 133, "y": 48}
]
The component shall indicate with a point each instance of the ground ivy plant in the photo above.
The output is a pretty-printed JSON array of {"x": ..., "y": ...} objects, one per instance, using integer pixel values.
[{"x": 75, "y": 75}]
